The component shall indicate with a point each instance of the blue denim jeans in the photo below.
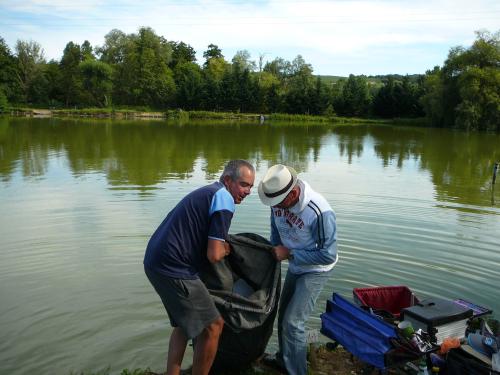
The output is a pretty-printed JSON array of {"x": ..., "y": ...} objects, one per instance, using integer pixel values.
[{"x": 297, "y": 301}]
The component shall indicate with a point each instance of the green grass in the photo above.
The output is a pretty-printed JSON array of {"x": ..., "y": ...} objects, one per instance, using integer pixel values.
[
  {"x": 124, "y": 372},
  {"x": 184, "y": 116}
]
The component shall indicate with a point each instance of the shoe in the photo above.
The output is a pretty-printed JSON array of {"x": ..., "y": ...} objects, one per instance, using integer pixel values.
[{"x": 270, "y": 360}]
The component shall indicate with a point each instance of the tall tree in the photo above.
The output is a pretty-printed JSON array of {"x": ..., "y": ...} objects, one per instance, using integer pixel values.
[
  {"x": 300, "y": 87},
  {"x": 96, "y": 82},
  {"x": 268, "y": 95},
  {"x": 212, "y": 52},
  {"x": 320, "y": 99},
  {"x": 216, "y": 69},
  {"x": 154, "y": 82},
  {"x": 465, "y": 92},
  {"x": 432, "y": 99},
  {"x": 189, "y": 81},
  {"x": 87, "y": 51},
  {"x": 242, "y": 60},
  {"x": 355, "y": 99},
  {"x": 140, "y": 64},
  {"x": 30, "y": 65},
  {"x": 54, "y": 81},
  {"x": 71, "y": 85},
  {"x": 116, "y": 47},
  {"x": 279, "y": 68},
  {"x": 181, "y": 53},
  {"x": 9, "y": 83}
]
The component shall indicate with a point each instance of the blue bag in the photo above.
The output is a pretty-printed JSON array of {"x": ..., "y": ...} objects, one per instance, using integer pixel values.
[{"x": 362, "y": 334}]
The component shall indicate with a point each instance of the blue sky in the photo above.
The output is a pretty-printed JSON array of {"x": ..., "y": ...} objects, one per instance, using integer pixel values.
[{"x": 335, "y": 37}]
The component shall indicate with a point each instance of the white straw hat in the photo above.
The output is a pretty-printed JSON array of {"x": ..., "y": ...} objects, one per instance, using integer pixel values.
[{"x": 276, "y": 184}]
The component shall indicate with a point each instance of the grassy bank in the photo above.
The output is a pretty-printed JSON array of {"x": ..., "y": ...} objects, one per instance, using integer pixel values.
[
  {"x": 322, "y": 361},
  {"x": 177, "y": 114}
]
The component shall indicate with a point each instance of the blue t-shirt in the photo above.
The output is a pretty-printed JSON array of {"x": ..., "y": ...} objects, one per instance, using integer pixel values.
[{"x": 178, "y": 248}]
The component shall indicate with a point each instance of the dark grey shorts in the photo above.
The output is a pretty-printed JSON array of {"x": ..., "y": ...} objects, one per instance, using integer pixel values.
[{"x": 188, "y": 302}]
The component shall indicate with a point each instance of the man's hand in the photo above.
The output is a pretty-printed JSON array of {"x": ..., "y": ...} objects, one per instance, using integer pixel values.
[
  {"x": 217, "y": 250},
  {"x": 281, "y": 252},
  {"x": 227, "y": 248}
]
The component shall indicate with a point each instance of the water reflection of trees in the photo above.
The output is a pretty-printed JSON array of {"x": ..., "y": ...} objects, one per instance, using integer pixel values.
[
  {"x": 351, "y": 140},
  {"x": 460, "y": 163},
  {"x": 146, "y": 153}
]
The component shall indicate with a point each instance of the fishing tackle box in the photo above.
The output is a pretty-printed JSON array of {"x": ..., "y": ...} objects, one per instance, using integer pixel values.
[{"x": 440, "y": 318}]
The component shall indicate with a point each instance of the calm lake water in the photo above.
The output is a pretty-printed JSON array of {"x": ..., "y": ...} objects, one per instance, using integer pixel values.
[{"x": 79, "y": 200}]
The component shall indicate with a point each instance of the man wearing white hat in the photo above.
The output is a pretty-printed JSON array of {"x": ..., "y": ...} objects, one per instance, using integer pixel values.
[{"x": 303, "y": 231}]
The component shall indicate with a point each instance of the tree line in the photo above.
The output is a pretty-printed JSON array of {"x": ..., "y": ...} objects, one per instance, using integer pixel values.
[{"x": 144, "y": 69}]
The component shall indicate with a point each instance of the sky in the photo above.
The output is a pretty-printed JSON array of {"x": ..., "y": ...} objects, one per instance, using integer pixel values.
[{"x": 338, "y": 37}]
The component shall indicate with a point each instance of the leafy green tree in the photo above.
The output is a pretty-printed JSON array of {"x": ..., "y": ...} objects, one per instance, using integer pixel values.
[
  {"x": 30, "y": 70},
  {"x": 116, "y": 46},
  {"x": 228, "y": 90},
  {"x": 96, "y": 82},
  {"x": 53, "y": 76},
  {"x": 71, "y": 84},
  {"x": 384, "y": 102},
  {"x": 181, "y": 53},
  {"x": 213, "y": 52},
  {"x": 215, "y": 70},
  {"x": 242, "y": 60},
  {"x": 116, "y": 49},
  {"x": 153, "y": 79},
  {"x": 189, "y": 81},
  {"x": 478, "y": 71},
  {"x": 432, "y": 100},
  {"x": 355, "y": 99},
  {"x": 279, "y": 68},
  {"x": 320, "y": 99},
  {"x": 398, "y": 98},
  {"x": 240, "y": 90},
  {"x": 268, "y": 93},
  {"x": 141, "y": 68},
  {"x": 410, "y": 93},
  {"x": 9, "y": 84},
  {"x": 87, "y": 51},
  {"x": 300, "y": 87},
  {"x": 465, "y": 92}
]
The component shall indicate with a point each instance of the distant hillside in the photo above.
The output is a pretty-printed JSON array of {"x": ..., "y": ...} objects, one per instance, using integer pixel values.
[
  {"x": 330, "y": 79},
  {"x": 373, "y": 80}
]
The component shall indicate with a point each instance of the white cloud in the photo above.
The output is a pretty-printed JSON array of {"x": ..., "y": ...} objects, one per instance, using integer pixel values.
[{"x": 337, "y": 30}]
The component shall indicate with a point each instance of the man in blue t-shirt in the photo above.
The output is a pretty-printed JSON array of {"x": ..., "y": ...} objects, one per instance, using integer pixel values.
[{"x": 191, "y": 235}]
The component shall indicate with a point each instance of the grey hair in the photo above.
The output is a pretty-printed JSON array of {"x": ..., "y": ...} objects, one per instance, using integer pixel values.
[{"x": 233, "y": 167}]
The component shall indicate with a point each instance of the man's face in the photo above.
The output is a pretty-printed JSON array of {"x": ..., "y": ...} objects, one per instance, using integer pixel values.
[
  {"x": 289, "y": 200},
  {"x": 240, "y": 188}
]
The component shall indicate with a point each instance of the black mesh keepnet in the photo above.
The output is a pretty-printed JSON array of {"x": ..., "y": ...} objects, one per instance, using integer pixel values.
[{"x": 245, "y": 287}]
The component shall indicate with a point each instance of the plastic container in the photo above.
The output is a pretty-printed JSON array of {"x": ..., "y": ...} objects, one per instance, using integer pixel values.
[{"x": 422, "y": 368}]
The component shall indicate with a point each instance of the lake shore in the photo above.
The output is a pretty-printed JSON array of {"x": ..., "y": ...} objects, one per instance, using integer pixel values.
[
  {"x": 178, "y": 114},
  {"x": 322, "y": 361}
]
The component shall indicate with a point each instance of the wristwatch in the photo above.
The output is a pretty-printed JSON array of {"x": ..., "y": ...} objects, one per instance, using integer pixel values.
[{"x": 290, "y": 254}]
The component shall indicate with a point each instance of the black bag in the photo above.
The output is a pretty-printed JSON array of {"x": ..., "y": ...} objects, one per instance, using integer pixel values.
[
  {"x": 245, "y": 287},
  {"x": 459, "y": 362}
]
